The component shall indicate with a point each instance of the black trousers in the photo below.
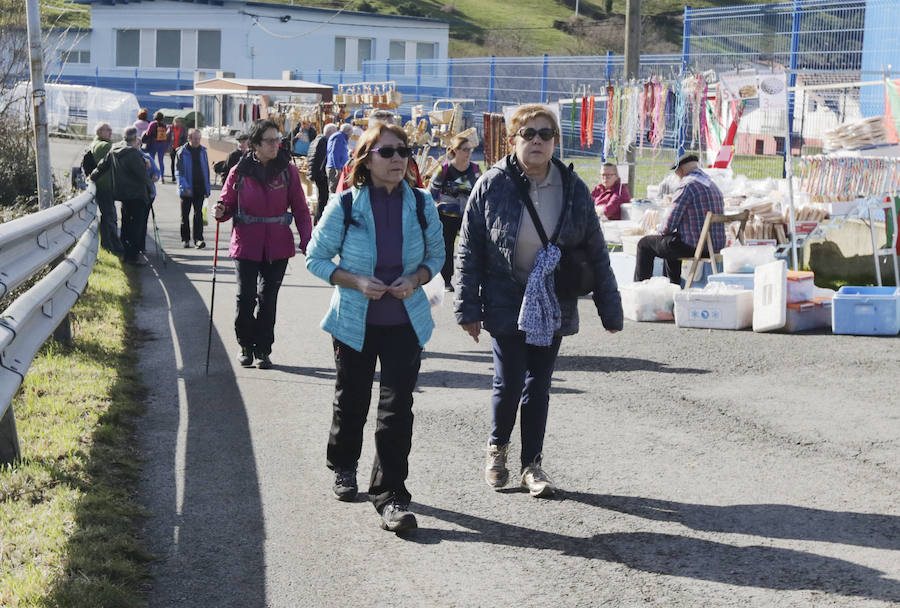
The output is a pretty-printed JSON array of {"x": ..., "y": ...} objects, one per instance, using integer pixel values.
[
  {"x": 172, "y": 157},
  {"x": 322, "y": 190},
  {"x": 134, "y": 212},
  {"x": 192, "y": 203},
  {"x": 451, "y": 227},
  {"x": 257, "y": 295},
  {"x": 397, "y": 347},
  {"x": 666, "y": 246},
  {"x": 109, "y": 223}
]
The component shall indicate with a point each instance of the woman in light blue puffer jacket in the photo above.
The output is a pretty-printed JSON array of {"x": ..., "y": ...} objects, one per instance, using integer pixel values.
[{"x": 389, "y": 247}]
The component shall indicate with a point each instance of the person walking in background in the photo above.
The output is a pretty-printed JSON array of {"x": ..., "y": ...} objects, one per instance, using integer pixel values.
[
  {"x": 610, "y": 194},
  {"x": 450, "y": 188},
  {"x": 262, "y": 196},
  {"x": 177, "y": 138},
  {"x": 155, "y": 175},
  {"x": 337, "y": 155},
  {"x": 501, "y": 265},
  {"x": 131, "y": 185},
  {"x": 315, "y": 171},
  {"x": 109, "y": 229},
  {"x": 696, "y": 194},
  {"x": 243, "y": 141},
  {"x": 157, "y": 140},
  {"x": 301, "y": 137},
  {"x": 142, "y": 123},
  {"x": 192, "y": 173},
  {"x": 388, "y": 247}
]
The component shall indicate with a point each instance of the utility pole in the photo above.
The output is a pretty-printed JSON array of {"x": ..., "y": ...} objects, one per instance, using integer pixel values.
[
  {"x": 39, "y": 96},
  {"x": 632, "y": 70},
  {"x": 576, "y": 8}
]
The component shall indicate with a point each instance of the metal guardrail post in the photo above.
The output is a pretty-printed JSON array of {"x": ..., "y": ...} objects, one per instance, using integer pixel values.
[
  {"x": 450, "y": 78},
  {"x": 418, "y": 79},
  {"x": 544, "y": 66},
  {"x": 491, "y": 86},
  {"x": 797, "y": 12},
  {"x": 685, "y": 61},
  {"x": 9, "y": 438}
]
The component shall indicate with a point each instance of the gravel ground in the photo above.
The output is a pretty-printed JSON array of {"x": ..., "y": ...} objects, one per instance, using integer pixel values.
[{"x": 696, "y": 467}]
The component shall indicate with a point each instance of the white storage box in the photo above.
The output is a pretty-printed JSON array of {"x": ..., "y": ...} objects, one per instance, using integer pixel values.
[
  {"x": 803, "y": 316},
  {"x": 744, "y": 258},
  {"x": 716, "y": 306},
  {"x": 800, "y": 286},
  {"x": 613, "y": 230},
  {"x": 740, "y": 279},
  {"x": 650, "y": 300},
  {"x": 630, "y": 243}
]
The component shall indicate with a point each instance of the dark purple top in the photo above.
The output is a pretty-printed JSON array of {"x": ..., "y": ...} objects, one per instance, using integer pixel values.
[{"x": 388, "y": 212}]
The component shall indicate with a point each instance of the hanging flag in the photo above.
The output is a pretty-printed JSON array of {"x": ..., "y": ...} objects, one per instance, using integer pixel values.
[{"x": 892, "y": 109}]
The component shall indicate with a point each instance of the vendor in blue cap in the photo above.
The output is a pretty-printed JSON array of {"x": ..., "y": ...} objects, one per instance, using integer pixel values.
[{"x": 696, "y": 194}]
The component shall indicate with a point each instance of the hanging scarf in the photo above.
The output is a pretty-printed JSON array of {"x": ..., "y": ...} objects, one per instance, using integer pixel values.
[
  {"x": 590, "y": 122},
  {"x": 646, "y": 105},
  {"x": 583, "y": 132},
  {"x": 539, "y": 315},
  {"x": 573, "y": 118}
]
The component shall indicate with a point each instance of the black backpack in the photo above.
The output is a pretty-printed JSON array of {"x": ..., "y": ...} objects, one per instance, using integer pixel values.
[
  {"x": 88, "y": 164},
  {"x": 347, "y": 206}
]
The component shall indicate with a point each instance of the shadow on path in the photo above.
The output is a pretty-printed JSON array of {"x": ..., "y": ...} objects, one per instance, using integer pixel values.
[
  {"x": 768, "y": 520},
  {"x": 200, "y": 480},
  {"x": 682, "y": 556}
]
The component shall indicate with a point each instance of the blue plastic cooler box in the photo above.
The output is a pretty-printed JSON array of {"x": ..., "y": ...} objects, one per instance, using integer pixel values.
[{"x": 866, "y": 311}]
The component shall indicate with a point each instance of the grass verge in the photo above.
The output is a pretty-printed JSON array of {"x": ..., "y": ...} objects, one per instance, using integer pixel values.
[{"x": 67, "y": 509}]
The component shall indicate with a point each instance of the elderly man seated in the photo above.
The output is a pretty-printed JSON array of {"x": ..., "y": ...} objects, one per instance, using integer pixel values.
[
  {"x": 610, "y": 194},
  {"x": 696, "y": 195}
]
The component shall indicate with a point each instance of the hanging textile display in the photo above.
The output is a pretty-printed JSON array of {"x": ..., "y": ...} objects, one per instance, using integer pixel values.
[
  {"x": 495, "y": 140},
  {"x": 590, "y": 122},
  {"x": 582, "y": 134},
  {"x": 829, "y": 179},
  {"x": 572, "y": 119}
]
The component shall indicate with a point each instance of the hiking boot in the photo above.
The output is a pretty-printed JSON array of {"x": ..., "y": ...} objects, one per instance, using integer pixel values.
[
  {"x": 537, "y": 482},
  {"x": 345, "y": 488},
  {"x": 246, "y": 356},
  {"x": 200, "y": 244},
  {"x": 495, "y": 472},
  {"x": 187, "y": 244},
  {"x": 395, "y": 517},
  {"x": 263, "y": 361}
]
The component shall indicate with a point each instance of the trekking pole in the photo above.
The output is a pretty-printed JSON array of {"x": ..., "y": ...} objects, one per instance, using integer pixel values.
[
  {"x": 212, "y": 298},
  {"x": 159, "y": 250}
]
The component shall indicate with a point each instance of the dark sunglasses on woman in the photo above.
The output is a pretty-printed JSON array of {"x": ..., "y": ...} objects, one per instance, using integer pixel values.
[
  {"x": 388, "y": 151},
  {"x": 528, "y": 134}
]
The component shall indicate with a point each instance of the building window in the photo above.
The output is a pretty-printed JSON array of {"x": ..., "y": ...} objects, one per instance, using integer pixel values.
[
  {"x": 128, "y": 44},
  {"x": 427, "y": 50},
  {"x": 75, "y": 57},
  {"x": 760, "y": 147},
  {"x": 398, "y": 50},
  {"x": 168, "y": 48},
  {"x": 779, "y": 145},
  {"x": 363, "y": 51},
  {"x": 209, "y": 49},
  {"x": 340, "y": 53}
]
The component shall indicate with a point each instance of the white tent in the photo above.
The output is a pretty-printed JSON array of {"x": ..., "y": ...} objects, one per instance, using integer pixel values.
[{"x": 74, "y": 108}]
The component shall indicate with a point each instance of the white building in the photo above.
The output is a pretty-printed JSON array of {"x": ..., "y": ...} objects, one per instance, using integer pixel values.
[{"x": 131, "y": 42}]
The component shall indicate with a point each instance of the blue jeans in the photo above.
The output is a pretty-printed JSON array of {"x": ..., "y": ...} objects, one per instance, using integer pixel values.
[{"x": 522, "y": 372}]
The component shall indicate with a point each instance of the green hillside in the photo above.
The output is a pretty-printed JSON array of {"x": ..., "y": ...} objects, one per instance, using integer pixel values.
[{"x": 501, "y": 27}]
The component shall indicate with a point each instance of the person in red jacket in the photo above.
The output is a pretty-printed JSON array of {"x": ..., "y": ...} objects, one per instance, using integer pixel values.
[
  {"x": 610, "y": 194},
  {"x": 263, "y": 196}
]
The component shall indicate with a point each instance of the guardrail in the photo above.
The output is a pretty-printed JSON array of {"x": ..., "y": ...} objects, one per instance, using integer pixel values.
[{"x": 27, "y": 245}]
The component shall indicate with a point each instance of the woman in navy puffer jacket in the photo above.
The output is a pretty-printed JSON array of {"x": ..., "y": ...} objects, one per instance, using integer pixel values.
[
  {"x": 497, "y": 252},
  {"x": 263, "y": 196}
]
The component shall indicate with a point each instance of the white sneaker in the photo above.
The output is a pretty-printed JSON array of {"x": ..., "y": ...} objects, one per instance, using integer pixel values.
[
  {"x": 537, "y": 482},
  {"x": 495, "y": 472}
]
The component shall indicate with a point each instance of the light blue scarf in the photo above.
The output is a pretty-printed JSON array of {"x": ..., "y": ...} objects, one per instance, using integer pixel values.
[{"x": 539, "y": 316}]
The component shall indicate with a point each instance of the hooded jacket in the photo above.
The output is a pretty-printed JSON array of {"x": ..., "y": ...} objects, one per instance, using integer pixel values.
[
  {"x": 487, "y": 289},
  {"x": 265, "y": 191}
]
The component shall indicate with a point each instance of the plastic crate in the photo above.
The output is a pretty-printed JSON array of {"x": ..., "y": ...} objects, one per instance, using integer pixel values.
[
  {"x": 803, "y": 316},
  {"x": 866, "y": 311}
]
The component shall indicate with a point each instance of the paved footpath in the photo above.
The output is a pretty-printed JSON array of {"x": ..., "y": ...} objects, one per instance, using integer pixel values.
[{"x": 697, "y": 468}]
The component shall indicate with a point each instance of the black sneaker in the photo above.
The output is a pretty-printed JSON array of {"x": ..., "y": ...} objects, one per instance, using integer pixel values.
[
  {"x": 395, "y": 517},
  {"x": 199, "y": 244},
  {"x": 187, "y": 244},
  {"x": 246, "y": 356},
  {"x": 263, "y": 361},
  {"x": 345, "y": 488}
]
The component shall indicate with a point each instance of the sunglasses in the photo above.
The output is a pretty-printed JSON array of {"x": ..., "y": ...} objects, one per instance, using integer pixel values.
[
  {"x": 528, "y": 134},
  {"x": 388, "y": 151}
]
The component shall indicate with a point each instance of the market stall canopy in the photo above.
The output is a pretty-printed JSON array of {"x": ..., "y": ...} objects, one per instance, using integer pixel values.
[{"x": 251, "y": 86}]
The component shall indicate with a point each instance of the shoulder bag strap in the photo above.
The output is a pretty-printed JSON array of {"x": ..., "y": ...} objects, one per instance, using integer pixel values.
[{"x": 535, "y": 219}]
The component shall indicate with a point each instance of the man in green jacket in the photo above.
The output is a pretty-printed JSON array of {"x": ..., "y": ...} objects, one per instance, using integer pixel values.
[
  {"x": 109, "y": 232},
  {"x": 131, "y": 184}
]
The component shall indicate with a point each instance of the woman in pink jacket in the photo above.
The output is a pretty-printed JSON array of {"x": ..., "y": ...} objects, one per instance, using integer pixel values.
[
  {"x": 263, "y": 196},
  {"x": 610, "y": 194}
]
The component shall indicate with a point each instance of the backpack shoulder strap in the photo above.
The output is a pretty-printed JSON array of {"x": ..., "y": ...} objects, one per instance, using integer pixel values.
[
  {"x": 420, "y": 210},
  {"x": 347, "y": 207}
]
